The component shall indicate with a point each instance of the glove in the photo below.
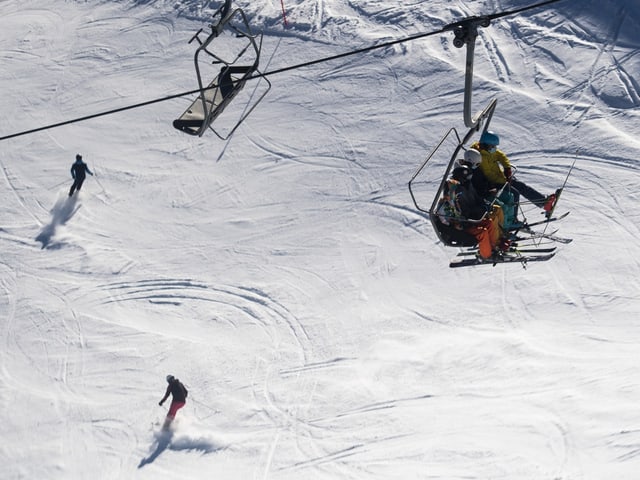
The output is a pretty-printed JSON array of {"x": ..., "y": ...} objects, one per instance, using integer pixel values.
[
  {"x": 508, "y": 173},
  {"x": 160, "y": 403}
]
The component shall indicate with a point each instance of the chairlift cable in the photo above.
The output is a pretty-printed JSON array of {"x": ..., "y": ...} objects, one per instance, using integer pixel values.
[{"x": 272, "y": 72}]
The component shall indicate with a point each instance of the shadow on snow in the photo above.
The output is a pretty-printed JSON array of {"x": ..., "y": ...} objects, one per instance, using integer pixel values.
[
  {"x": 169, "y": 440},
  {"x": 61, "y": 213}
]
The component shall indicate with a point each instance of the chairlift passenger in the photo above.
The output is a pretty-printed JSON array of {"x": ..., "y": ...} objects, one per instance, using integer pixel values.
[
  {"x": 498, "y": 170},
  {"x": 462, "y": 208}
]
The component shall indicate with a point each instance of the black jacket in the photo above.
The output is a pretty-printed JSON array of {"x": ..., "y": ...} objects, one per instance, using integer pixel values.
[
  {"x": 470, "y": 201},
  {"x": 482, "y": 184},
  {"x": 80, "y": 169},
  {"x": 177, "y": 390}
]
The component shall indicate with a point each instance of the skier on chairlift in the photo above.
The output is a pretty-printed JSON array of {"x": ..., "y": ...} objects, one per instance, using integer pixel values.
[
  {"x": 490, "y": 193},
  {"x": 466, "y": 210},
  {"x": 497, "y": 168}
]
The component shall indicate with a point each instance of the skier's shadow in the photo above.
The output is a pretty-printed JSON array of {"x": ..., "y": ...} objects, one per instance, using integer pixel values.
[
  {"x": 61, "y": 213},
  {"x": 162, "y": 443}
]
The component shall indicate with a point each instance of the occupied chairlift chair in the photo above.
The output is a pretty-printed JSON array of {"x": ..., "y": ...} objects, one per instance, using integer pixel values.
[
  {"x": 447, "y": 234},
  {"x": 465, "y": 33},
  {"x": 215, "y": 97}
]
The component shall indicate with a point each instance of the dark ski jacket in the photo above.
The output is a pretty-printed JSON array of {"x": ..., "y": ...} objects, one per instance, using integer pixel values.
[
  {"x": 177, "y": 390},
  {"x": 470, "y": 202},
  {"x": 482, "y": 185},
  {"x": 80, "y": 169}
]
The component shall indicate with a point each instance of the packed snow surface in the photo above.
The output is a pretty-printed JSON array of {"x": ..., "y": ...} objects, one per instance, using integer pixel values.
[{"x": 285, "y": 275}]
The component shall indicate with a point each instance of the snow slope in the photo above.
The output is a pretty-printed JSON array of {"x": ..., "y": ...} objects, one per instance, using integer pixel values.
[{"x": 285, "y": 275}]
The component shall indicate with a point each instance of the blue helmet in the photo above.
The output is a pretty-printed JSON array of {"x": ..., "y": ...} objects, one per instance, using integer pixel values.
[
  {"x": 490, "y": 138},
  {"x": 170, "y": 378}
]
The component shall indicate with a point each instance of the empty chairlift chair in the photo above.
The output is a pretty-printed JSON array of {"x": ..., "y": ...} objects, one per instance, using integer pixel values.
[{"x": 237, "y": 60}]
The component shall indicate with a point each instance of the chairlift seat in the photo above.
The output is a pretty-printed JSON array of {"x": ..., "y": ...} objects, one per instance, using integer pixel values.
[
  {"x": 213, "y": 100},
  {"x": 453, "y": 237}
]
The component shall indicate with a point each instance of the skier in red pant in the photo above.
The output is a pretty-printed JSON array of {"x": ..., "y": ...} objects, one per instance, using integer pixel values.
[{"x": 178, "y": 398}]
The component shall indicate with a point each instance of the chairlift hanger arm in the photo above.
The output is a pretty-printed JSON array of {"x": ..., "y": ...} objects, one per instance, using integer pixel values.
[
  {"x": 229, "y": 80},
  {"x": 225, "y": 14},
  {"x": 465, "y": 33}
]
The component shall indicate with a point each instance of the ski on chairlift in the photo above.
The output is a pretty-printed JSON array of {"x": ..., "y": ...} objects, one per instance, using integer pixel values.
[{"x": 224, "y": 61}]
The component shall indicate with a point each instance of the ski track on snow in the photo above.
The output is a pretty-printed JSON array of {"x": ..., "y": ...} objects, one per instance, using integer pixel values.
[
  {"x": 252, "y": 303},
  {"x": 286, "y": 276}
]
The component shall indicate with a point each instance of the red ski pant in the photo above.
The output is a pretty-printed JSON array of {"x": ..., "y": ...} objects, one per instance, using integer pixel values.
[{"x": 173, "y": 409}]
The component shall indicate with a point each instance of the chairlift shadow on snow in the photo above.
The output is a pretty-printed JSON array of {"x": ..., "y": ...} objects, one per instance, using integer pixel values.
[{"x": 61, "y": 213}]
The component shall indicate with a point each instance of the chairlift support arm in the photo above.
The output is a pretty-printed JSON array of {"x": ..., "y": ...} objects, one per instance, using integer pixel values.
[{"x": 465, "y": 33}]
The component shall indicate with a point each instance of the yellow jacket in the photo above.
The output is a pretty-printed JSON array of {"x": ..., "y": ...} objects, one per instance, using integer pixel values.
[{"x": 493, "y": 165}]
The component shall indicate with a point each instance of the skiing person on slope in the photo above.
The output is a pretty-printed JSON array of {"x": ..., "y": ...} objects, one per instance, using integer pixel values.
[
  {"x": 78, "y": 171},
  {"x": 497, "y": 168},
  {"x": 179, "y": 398}
]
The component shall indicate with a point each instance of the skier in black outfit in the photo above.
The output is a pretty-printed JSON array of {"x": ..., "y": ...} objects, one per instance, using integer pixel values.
[
  {"x": 178, "y": 398},
  {"x": 78, "y": 171}
]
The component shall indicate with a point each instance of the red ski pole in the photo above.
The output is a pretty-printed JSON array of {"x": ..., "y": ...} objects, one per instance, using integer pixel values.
[{"x": 284, "y": 14}]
